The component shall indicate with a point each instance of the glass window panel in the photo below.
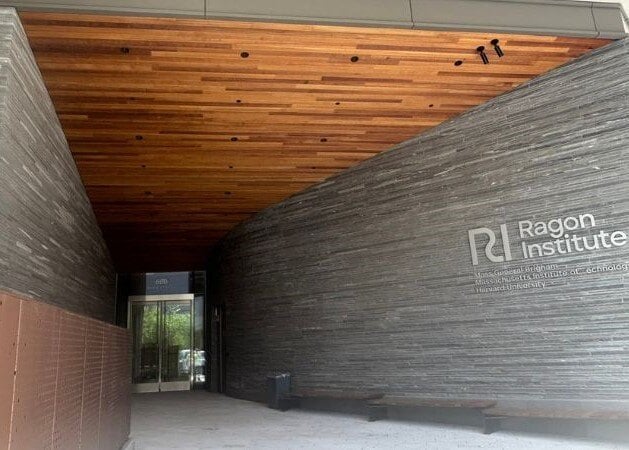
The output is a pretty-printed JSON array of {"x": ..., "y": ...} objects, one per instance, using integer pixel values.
[
  {"x": 176, "y": 345},
  {"x": 144, "y": 325}
]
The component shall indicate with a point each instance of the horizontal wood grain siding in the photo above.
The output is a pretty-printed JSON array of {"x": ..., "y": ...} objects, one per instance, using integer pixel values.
[
  {"x": 183, "y": 128},
  {"x": 366, "y": 282},
  {"x": 51, "y": 247}
]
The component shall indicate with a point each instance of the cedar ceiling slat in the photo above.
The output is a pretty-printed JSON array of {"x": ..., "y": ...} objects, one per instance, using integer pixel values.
[{"x": 151, "y": 129}]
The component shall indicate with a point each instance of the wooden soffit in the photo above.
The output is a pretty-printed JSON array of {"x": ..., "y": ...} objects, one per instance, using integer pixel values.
[{"x": 182, "y": 128}]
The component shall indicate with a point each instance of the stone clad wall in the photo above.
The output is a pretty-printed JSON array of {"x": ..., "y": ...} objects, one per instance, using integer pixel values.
[
  {"x": 51, "y": 247},
  {"x": 64, "y": 375},
  {"x": 366, "y": 281}
]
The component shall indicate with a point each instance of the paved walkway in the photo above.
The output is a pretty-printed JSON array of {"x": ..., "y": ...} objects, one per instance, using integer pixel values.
[{"x": 200, "y": 420}]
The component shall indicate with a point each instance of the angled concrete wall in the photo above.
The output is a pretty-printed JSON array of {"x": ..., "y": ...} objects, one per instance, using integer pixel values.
[
  {"x": 51, "y": 247},
  {"x": 64, "y": 377},
  {"x": 366, "y": 282}
]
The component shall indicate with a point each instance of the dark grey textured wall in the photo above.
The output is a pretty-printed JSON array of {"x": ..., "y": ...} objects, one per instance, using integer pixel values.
[
  {"x": 366, "y": 280},
  {"x": 51, "y": 248}
]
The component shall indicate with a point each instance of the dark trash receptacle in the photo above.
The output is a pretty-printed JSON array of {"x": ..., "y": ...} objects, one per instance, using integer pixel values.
[{"x": 278, "y": 388}]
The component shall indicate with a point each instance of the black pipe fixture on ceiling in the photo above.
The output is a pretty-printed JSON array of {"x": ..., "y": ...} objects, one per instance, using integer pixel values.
[
  {"x": 495, "y": 44},
  {"x": 497, "y": 48},
  {"x": 483, "y": 55}
]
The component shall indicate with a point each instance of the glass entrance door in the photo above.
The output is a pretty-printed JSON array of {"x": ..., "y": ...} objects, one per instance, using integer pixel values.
[
  {"x": 162, "y": 342},
  {"x": 145, "y": 331},
  {"x": 176, "y": 346}
]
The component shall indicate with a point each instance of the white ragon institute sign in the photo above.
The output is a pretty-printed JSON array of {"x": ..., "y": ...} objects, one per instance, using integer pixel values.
[{"x": 564, "y": 236}]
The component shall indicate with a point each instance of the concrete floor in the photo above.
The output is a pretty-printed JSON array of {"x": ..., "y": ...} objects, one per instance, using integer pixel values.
[{"x": 199, "y": 420}]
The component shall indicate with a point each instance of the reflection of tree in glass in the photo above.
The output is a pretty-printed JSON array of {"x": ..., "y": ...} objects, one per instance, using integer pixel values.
[
  {"x": 177, "y": 322},
  {"x": 149, "y": 326},
  {"x": 174, "y": 321},
  {"x": 176, "y": 359}
]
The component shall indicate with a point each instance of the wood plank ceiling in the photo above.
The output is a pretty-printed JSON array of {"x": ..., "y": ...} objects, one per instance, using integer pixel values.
[{"x": 183, "y": 128}]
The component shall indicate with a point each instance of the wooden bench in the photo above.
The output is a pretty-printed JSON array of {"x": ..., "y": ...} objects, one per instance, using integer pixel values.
[
  {"x": 294, "y": 398},
  {"x": 379, "y": 409},
  {"x": 336, "y": 394},
  {"x": 554, "y": 409}
]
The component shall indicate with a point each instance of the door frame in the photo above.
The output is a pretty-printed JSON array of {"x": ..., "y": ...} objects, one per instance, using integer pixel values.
[{"x": 159, "y": 385}]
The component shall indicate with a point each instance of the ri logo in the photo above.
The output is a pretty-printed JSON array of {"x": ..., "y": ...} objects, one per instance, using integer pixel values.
[{"x": 490, "y": 239}]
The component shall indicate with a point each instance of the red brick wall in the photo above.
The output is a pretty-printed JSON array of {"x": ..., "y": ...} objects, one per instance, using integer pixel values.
[{"x": 64, "y": 379}]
